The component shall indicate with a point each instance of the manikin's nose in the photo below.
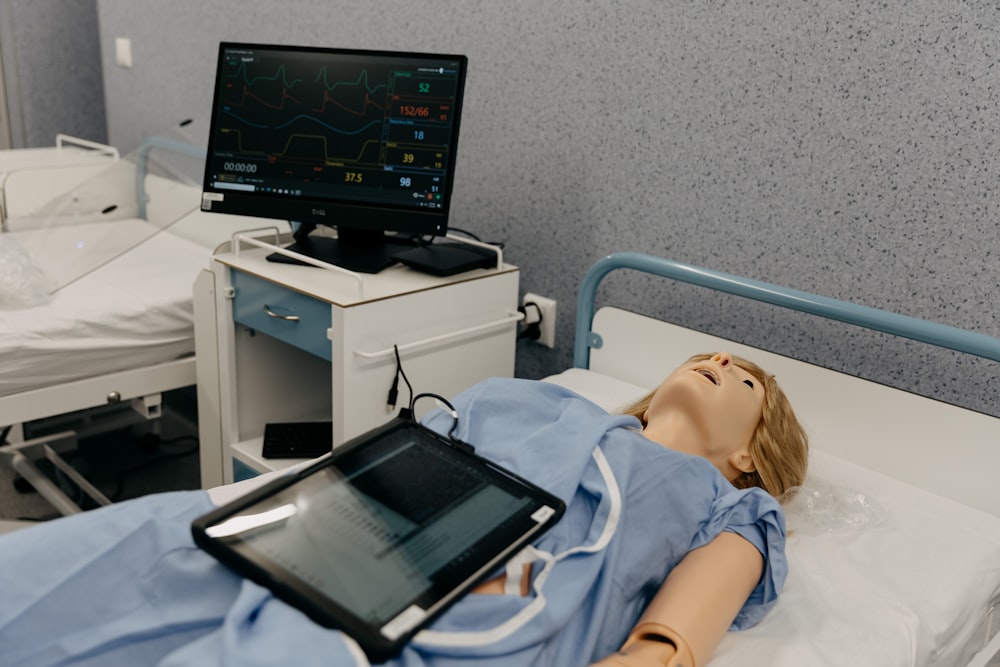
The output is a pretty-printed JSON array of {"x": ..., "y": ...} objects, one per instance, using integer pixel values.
[{"x": 724, "y": 359}]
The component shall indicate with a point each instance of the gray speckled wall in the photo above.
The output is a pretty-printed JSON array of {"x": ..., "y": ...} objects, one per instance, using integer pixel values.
[
  {"x": 52, "y": 70},
  {"x": 846, "y": 148}
]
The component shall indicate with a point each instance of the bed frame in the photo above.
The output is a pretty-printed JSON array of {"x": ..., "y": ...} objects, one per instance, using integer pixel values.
[
  {"x": 946, "y": 450},
  {"x": 141, "y": 387},
  {"x": 911, "y": 427}
]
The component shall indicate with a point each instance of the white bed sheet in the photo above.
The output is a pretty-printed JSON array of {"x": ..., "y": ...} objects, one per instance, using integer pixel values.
[
  {"x": 127, "y": 313},
  {"x": 915, "y": 590},
  {"x": 910, "y": 582},
  {"x": 133, "y": 311}
]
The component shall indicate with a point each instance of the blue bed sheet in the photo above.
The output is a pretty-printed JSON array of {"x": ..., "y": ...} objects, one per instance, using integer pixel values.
[{"x": 125, "y": 585}]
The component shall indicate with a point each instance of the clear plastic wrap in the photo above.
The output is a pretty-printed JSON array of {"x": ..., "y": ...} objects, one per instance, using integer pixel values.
[
  {"x": 23, "y": 283},
  {"x": 112, "y": 211},
  {"x": 818, "y": 507}
]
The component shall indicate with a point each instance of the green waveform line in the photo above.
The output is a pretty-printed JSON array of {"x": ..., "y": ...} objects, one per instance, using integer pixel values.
[
  {"x": 279, "y": 73},
  {"x": 361, "y": 77}
]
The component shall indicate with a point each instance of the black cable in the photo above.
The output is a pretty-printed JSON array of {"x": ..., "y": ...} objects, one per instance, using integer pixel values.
[
  {"x": 531, "y": 331},
  {"x": 443, "y": 402},
  {"x": 394, "y": 389},
  {"x": 467, "y": 233},
  {"x": 38, "y": 519},
  {"x": 122, "y": 474},
  {"x": 78, "y": 495},
  {"x": 410, "y": 412},
  {"x": 498, "y": 244}
]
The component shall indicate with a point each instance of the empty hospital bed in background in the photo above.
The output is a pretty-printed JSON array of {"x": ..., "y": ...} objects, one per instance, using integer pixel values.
[
  {"x": 113, "y": 324},
  {"x": 66, "y": 164}
]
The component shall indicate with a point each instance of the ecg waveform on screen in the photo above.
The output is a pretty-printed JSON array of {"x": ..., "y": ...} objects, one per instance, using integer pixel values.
[
  {"x": 314, "y": 120},
  {"x": 306, "y": 115}
]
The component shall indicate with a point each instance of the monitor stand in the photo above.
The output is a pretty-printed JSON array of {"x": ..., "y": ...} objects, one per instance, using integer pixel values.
[{"x": 359, "y": 250}]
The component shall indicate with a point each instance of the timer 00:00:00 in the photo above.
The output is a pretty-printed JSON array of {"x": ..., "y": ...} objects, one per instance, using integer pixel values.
[{"x": 244, "y": 167}]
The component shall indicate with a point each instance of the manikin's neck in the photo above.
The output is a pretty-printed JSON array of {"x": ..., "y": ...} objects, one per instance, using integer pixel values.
[{"x": 677, "y": 431}]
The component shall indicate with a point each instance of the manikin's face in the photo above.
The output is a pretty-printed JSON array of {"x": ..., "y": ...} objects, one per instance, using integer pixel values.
[{"x": 708, "y": 408}]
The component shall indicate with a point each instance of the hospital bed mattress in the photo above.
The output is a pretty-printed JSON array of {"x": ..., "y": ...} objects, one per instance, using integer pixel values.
[
  {"x": 865, "y": 556},
  {"x": 133, "y": 311}
]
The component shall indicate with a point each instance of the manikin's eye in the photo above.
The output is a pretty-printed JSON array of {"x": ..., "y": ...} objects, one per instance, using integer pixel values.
[{"x": 748, "y": 383}]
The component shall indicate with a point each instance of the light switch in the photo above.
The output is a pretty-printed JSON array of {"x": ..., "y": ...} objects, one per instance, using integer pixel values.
[{"x": 123, "y": 51}]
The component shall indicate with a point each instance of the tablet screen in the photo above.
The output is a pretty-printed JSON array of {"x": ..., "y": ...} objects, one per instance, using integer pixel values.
[{"x": 387, "y": 531}]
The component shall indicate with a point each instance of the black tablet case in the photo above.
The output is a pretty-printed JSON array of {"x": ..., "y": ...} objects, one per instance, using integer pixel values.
[{"x": 378, "y": 638}]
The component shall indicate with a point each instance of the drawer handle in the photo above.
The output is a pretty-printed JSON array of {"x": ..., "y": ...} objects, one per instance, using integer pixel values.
[
  {"x": 510, "y": 319},
  {"x": 287, "y": 318}
]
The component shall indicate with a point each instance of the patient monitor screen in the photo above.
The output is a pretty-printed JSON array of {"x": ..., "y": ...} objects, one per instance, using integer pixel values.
[{"x": 324, "y": 130}]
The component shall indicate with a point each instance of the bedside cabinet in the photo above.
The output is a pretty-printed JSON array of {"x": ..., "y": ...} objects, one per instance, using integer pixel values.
[{"x": 278, "y": 342}]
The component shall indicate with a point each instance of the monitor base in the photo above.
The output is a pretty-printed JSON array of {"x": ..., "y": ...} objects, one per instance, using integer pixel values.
[{"x": 358, "y": 250}]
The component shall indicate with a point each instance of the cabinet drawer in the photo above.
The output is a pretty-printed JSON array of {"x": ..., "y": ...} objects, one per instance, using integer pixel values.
[{"x": 282, "y": 313}]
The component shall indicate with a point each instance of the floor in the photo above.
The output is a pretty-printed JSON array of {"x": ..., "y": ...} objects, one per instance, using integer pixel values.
[{"x": 128, "y": 461}]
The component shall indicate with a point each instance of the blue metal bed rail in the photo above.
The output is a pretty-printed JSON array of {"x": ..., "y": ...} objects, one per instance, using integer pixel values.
[{"x": 913, "y": 328}]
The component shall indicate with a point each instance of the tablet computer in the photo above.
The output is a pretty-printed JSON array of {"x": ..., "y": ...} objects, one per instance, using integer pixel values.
[{"x": 380, "y": 536}]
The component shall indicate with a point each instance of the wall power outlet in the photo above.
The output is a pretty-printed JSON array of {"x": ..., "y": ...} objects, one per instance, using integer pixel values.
[{"x": 547, "y": 310}]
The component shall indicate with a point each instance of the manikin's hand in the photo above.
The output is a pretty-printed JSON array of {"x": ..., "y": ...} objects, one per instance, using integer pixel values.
[{"x": 643, "y": 653}]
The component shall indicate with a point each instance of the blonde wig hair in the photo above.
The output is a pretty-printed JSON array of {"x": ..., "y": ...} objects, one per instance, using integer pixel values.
[{"x": 779, "y": 446}]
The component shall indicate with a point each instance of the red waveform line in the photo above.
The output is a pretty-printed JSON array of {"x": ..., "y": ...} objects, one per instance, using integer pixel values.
[
  {"x": 364, "y": 107},
  {"x": 246, "y": 93}
]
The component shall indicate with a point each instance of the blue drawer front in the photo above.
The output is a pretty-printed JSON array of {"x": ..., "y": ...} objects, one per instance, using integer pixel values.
[
  {"x": 242, "y": 471},
  {"x": 256, "y": 297}
]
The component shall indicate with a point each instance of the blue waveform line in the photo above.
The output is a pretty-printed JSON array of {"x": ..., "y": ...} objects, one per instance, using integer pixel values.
[
  {"x": 244, "y": 120},
  {"x": 327, "y": 125}
]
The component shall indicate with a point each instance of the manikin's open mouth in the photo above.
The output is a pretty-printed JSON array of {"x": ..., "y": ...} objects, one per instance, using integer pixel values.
[{"x": 709, "y": 374}]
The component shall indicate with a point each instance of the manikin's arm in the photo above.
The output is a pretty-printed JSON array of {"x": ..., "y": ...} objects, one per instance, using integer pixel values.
[{"x": 695, "y": 606}]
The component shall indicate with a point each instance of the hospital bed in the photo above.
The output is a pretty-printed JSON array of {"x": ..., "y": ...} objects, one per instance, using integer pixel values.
[
  {"x": 117, "y": 327},
  {"x": 894, "y": 544},
  {"x": 894, "y": 549},
  {"x": 66, "y": 164}
]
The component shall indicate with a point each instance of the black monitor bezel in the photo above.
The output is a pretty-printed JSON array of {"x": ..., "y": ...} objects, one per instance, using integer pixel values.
[{"x": 333, "y": 212}]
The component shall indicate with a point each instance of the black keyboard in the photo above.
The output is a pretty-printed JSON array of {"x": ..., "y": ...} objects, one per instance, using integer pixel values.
[{"x": 298, "y": 440}]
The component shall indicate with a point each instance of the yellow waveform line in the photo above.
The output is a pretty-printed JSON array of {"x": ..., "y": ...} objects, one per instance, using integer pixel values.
[
  {"x": 326, "y": 157},
  {"x": 330, "y": 161}
]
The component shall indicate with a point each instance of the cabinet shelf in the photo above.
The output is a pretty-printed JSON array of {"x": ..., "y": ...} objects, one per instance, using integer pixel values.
[{"x": 249, "y": 452}]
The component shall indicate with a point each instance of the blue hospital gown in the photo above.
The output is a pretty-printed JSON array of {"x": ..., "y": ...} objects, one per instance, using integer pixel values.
[{"x": 125, "y": 585}]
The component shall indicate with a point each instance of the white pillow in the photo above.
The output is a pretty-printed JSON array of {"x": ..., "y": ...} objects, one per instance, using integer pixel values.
[
  {"x": 610, "y": 393},
  {"x": 913, "y": 586}
]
